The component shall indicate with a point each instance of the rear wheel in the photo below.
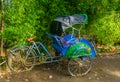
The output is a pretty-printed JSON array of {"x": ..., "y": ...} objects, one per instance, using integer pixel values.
[
  {"x": 79, "y": 66},
  {"x": 18, "y": 59}
]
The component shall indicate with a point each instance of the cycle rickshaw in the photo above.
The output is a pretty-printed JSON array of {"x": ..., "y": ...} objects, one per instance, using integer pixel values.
[{"x": 77, "y": 50}]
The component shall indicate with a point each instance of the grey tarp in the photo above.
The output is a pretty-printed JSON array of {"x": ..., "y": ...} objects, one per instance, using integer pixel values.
[{"x": 68, "y": 21}]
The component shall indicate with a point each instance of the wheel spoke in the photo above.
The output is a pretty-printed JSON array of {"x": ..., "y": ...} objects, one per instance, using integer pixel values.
[
  {"x": 17, "y": 59},
  {"x": 79, "y": 67}
]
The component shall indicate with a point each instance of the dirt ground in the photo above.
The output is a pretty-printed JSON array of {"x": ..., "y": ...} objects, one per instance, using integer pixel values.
[{"x": 105, "y": 69}]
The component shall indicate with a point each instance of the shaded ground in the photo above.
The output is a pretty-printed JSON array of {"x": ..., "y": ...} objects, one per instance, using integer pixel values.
[{"x": 105, "y": 69}]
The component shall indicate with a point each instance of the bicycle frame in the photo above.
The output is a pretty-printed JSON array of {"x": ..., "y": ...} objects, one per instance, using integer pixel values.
[
  {"x": 49, "y": 58},
  {"x": 36, "y": 46}
]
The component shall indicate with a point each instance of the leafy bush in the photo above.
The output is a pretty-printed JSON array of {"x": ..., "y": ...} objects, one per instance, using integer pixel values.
[
  {"x": 103, "y": 20},
  {"x": 104, "y": 25},
  {"x": 25, "y": 18},
  {"x": 106, "y": 28}
]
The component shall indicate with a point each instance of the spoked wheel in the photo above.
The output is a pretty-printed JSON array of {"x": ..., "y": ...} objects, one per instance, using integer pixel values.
[
  {"x": 18, "y": 60},
  {"x": 29, "y": 59},
  {"x": 79, "y": 67}
]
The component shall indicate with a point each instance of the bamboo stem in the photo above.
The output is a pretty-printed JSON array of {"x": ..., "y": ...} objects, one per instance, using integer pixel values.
[{"x": 2, "y": 26}]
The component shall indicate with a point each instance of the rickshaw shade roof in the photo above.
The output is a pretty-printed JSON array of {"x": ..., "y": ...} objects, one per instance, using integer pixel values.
[{"x": 60, "y": 23}]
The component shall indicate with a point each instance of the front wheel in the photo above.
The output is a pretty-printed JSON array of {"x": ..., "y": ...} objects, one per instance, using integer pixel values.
[
  {"x": 18, "y": 59},
  {"x": 79, "y": 66}
]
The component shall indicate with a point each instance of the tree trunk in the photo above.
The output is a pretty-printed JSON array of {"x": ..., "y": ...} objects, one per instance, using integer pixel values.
[
  {"x": 1, "y": 29},
  {"x": 2, "y": 26}
]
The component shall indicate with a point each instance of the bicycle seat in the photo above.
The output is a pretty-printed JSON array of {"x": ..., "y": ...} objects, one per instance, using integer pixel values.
[{"x": 31, "y": 38}]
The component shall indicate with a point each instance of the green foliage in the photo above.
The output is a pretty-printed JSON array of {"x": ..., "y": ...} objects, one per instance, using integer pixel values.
[
  {"x": 106, "y": 29},
  {"x": 20, "y": 21},
  {"x": 104, "y": 19},
  {"x": 104, "y": 25},
  {"x": 25, "y": 18}
]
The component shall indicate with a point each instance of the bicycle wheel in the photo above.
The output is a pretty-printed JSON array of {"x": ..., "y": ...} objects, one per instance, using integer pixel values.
[
  {"x": 29, "y": 58},
  {"x": 18, "y": 59},
  {"x": 79, "y": 67}
]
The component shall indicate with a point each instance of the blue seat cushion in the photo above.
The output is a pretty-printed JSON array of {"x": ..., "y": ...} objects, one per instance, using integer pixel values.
[{"x": 64, "y": 44}]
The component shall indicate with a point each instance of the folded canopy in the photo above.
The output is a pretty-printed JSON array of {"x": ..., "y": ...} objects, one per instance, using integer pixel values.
[{"x": 61, "y": 23}]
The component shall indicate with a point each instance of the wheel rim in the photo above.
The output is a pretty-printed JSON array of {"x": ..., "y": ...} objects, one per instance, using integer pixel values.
[
  {"x": 29, "y": 59},
  {"x": 16, "y": 60},
  {"x": 79, "y": 67}
]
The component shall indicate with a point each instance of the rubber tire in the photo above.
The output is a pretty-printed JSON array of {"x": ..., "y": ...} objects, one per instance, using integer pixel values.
[
  {"x": 77, "y": 66},
  {"x": 16, "y": 59}
]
